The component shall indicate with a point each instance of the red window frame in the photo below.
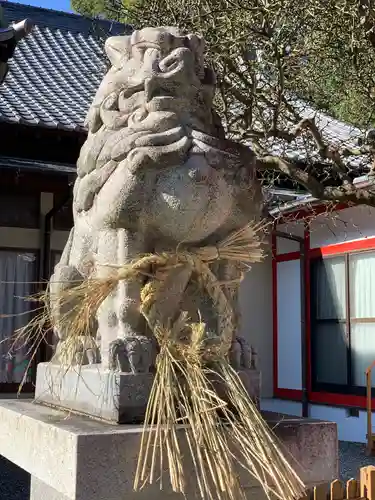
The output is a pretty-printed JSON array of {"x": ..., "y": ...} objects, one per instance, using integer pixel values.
[{"x": 328, "y": 398}]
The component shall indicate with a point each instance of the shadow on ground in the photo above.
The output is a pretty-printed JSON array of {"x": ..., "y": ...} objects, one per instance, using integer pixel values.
[{"x": 14, "y": 482}]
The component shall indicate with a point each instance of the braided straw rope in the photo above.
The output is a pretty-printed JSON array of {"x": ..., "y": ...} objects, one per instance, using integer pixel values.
[
  {"x": 84, "y": 298},
  {"x": 224, "y": 310},
  {"x": 182, "y": 392},
  {"x": 182, "y": 381}
]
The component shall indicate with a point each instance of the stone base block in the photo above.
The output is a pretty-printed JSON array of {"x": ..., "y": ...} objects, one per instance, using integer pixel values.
[
  {"x": 90, "y": 390},
  {"x": 41, "y": 491},
  {"x": 250, "y": 379},
  {"x": 117, "y": 397},
  {"x": 71, "y": 457}
]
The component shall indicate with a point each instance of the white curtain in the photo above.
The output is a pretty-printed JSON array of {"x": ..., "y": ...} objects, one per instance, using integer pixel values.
[
  {"x": 56, "y": 256},
  {"x": 362, "y": 285},
  {"x": 17, "y": 273},
  {"x": 362, "y": 307},
  {"x": 329, "y": 340}
]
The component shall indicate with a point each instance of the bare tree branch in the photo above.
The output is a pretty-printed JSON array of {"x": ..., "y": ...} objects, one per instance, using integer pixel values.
[
  {"x": 304, "y": 178},
  {"x": 271, "y": 58},
  {"x": 325, "y": 151}
]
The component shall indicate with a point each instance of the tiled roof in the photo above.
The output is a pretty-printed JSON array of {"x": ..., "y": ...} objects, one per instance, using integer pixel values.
[
  {"x": 278, "y": 206},
  {"x": 56, "y": 70},
  {"x": 334, "y": 132}
]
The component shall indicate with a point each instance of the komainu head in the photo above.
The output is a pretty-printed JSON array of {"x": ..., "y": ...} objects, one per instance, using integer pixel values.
[
  {"x": 153, "y": 115},
  {"x": 155, "y": 70}
]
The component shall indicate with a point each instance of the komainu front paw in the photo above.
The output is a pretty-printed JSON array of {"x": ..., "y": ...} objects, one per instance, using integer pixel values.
[{"x": 133, "y": 354}]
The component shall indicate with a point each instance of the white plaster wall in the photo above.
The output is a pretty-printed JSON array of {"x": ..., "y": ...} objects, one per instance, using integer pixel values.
[
  {"x": 289, "y": 325},
  {"x": 343, "y": 226},
  {"x": 281, "y": 406},
  {"x": 349, "y": 428},
  {"x": 16, "y": 237},
  {"x": 29, "y": 239},
  {"x": 293, "y": 228},
  {"x": 256, "y": 318}
]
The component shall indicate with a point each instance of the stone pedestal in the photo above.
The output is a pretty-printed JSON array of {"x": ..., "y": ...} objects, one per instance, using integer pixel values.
[
  {"x": 112, "y": 396},
  {"x": 90, "y": 390},
  {"x": 76, "y": 458}
]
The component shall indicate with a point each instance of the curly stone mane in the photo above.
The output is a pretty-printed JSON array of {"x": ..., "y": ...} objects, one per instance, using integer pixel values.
[{"x": 152, "y": 107}]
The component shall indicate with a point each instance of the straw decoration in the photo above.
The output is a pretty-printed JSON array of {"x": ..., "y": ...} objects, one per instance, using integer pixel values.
[{"x": 220, "y": 435}]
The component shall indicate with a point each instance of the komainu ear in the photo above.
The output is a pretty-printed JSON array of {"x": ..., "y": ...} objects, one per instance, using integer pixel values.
[{"x": 118, "y": 50}]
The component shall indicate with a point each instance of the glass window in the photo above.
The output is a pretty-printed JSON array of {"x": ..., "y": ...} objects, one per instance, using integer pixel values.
[
  {"x": 330, "y": 351},
  {"x": 329, "y": 287},
  {"x": 343, "y": 321},
  {"x": 17, "y": 276},
  {"x": 362, "y": 314},
  {"x": 329, "y": 321}
]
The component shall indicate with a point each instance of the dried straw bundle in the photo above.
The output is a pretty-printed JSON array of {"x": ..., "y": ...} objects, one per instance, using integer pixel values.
[
  {"x": 219, "y": 439},
  {"x": 219, "y": 436}
]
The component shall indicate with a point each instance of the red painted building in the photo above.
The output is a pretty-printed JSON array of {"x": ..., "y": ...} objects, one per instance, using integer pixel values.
[
  {"x": 309, "y": 308},
  {"x": 322, "y": 304}
]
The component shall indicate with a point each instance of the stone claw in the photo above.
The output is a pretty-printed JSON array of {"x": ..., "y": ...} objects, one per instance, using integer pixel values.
[{"x": 133, "y": 354}]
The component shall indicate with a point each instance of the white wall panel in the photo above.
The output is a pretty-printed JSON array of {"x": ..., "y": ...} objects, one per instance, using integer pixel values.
[
  {"x": 46, "y": 203},
  {"x": 281, "y": 406},
  {"x": 17, "y": 237},
  {"x": 343, "y": 226},
  {"x": 289, "y": 325},
  {"x": 349, "y": 428},
  {"x": 256, "y": 318}
]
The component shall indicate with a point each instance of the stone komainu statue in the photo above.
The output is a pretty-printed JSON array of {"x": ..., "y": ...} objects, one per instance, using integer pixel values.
[{"x": 155, "y": 172}]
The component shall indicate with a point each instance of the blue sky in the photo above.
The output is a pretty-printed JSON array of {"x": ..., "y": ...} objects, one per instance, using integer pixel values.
[{"x": 48, "y": 4}]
